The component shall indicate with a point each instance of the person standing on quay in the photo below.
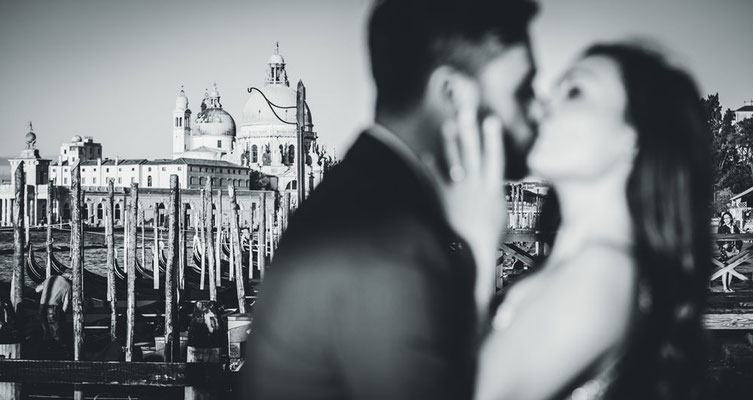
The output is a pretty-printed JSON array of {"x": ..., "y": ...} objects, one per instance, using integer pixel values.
[
  {"x": 53, "y": 304},
  {"x": 728, "y": 249}
]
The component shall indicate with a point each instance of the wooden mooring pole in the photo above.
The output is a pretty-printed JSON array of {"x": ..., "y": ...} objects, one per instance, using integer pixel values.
[
  {"x": 218, "y": 254},
  {"x": 155, "y": 248},
  {"x": 27, "y": 211},
  {"x": 110, "y": 240},
  {"x": 182, "y": 228},
  {"x": 124, "y": 221},
  {"x": 131, "y": 305},
  {"x": 77, "y": 261},
  {"x": 209, "y": 239},
  {"x": 262, "y": 235},
  {"x": 48, "y": 243},
  {"x": 19, "y": 242},
  {"x": 235, "y": 240},
  {"x": 142, "y": 221},
  {"x": 13, "y": 350},
  {"x": 202, "y": 237},
  {"x": 77, "y": 265},
  {"x": 172, "y": 335},
  {"x": 251, "y": 222}
]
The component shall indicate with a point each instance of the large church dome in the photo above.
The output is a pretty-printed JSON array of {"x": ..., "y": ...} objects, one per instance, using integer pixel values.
[{"x": 258, "y": 112}]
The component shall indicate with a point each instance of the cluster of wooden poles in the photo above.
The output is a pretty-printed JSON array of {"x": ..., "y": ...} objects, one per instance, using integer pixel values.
[{"x": 173, "y": 268}]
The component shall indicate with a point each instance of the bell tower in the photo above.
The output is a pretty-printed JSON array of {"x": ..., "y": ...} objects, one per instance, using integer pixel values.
[
  {"x": 181, "y": 124},
  {"x": 276, "y": 74}
]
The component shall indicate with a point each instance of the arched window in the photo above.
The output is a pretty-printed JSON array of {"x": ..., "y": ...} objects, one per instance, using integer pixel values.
[
  {"x": 193, "y": 180},
  {"x": 117, "y": 211},
  {"x": 291, "y": 154},
  {"x": 222, "y": 182},
  {"x": 201, "y": 181},
  {"x": 254, "y": 154},
  {"x": 149, "y": 181},
  {"x": 100, "y": 211}
]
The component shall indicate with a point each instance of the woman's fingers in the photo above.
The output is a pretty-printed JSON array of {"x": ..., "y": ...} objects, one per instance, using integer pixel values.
[
  {"x": 493, "y": 151},
  {"x": 469, "y": 138},
  {"x": 450, "y": 142}
]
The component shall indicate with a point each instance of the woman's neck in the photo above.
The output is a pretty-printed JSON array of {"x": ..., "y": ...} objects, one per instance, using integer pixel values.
[{"x": 596, "y": 210}]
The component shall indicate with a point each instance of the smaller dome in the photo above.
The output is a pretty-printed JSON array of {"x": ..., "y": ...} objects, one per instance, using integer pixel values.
[
  {"x": 276, "y": 59},
  {"x": 76, "y": 138},
  {"x": 214, "y": 93},
  {"x": 214, "y": 122},
  {"x": 31, "y": 137}
]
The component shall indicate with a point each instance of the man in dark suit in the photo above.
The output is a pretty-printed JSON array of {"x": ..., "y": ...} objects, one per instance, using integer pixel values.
[{"x": 371, "y": 294}]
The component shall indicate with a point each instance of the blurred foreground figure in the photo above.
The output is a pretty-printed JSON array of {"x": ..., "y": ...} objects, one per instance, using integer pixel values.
[
  {"x": 372, "y": 293},
  {"x": 616, "y": 311}
]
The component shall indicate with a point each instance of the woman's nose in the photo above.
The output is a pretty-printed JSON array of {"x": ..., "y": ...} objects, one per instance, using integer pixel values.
[{"x": 538, "y": 110}]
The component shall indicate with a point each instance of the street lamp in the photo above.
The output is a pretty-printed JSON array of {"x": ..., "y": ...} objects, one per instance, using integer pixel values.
[{"x": 304, "y": 132}]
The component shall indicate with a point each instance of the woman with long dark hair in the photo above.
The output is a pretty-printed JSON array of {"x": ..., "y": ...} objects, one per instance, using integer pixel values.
[{"x": 616, "y": 310}]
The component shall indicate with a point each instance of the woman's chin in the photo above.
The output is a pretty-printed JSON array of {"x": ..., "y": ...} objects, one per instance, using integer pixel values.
[{"x": 538, "y": 168}]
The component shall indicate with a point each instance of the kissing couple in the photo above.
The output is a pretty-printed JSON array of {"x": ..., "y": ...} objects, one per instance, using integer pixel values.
[{"x": 382, "y": 285}]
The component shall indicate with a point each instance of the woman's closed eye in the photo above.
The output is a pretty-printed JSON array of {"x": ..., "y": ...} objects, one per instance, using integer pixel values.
[{"x": 573, "y": 92}]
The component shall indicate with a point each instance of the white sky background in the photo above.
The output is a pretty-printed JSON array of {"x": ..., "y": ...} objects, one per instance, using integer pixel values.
[{"x": 112, "y": 69}]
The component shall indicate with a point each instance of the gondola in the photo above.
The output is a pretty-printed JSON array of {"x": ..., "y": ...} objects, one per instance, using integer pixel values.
[
  {"x": 226, "y": 249},
  {"x": 96, "y": 285},
  {"x": 196, "y": 267},
  {"x": 34, "y": 271}
]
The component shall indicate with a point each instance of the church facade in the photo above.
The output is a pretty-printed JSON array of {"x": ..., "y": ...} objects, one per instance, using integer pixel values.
[{"x": 264, "y": 139}]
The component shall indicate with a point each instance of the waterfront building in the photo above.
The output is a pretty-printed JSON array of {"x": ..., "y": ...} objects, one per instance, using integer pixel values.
[
  {"x": 153, "y": 178},
  {"x": 746, "y": 111},
  {"x": 192, "y": 173},
  {"x": 80, "y": 148},
  {"x": 36, "y": 175}
]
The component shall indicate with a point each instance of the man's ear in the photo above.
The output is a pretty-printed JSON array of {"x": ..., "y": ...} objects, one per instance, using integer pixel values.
[{"x": 449, "y": 90}]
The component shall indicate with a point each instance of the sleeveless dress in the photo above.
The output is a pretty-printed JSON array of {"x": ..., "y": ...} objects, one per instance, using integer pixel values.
[{"x": 596, "y": 382}]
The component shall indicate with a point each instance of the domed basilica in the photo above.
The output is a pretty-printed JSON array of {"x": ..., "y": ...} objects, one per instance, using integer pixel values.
[{"x": 266, "y": 138}]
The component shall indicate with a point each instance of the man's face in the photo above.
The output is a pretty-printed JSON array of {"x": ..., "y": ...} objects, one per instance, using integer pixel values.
[{"x": 507, "y": 91}]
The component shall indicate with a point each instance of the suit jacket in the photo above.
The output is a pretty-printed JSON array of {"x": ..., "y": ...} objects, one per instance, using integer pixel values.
[{"x": 370, "y": 294}]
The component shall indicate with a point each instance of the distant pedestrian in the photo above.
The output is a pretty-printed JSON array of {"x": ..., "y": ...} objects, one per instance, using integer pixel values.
[
  {"x": 727, "y": 248},
  {"x": 54, "y": 303}
]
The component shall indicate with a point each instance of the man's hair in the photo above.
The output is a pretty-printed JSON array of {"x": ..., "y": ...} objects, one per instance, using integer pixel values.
[{"x": 408, "y": 39}]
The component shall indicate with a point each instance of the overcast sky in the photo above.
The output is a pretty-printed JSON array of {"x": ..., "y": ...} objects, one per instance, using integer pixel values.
[{"x": 112, "y": 69}]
